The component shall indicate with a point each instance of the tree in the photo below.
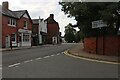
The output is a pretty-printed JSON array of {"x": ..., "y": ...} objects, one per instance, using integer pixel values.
[
  {"x": 85, "y": 13},
  {"x": 69, "y": 33},
  {"x": 79, "y": 36}
]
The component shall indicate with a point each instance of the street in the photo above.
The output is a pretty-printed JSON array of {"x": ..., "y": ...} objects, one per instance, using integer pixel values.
[{"x": 50, "y": 62}]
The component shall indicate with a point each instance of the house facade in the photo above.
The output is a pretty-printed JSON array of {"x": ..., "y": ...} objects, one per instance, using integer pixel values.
[
  {"x": 52, "y": 30},
  {"x": 39, "y": 31},
  {"x": 16, "y": 27}
]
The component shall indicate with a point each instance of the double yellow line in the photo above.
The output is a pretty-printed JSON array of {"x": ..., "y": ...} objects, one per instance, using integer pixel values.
[{"x": 94, "y": 60}]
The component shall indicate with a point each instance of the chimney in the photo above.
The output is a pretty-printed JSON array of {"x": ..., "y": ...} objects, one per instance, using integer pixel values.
[
  {"x": 5, "y": 5},
  {"x": 52, "y": 16}
]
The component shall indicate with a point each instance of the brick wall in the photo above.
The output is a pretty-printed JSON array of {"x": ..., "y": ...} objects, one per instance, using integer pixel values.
[
  {"x": 110, "y": 45},
  {"x": 52, "y": 30}
]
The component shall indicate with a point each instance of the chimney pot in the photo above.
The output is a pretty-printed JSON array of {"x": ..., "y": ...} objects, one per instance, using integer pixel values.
[{"x": 5, "y": 5}]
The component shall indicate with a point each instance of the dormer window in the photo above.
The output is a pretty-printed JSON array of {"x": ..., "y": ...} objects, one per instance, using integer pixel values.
[
  {"x": 25, "y": 24},
  {"x": 11, "y": 22}
]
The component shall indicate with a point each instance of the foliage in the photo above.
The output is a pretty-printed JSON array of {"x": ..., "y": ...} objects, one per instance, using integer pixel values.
[
  {"x": 79, "y": 36},
  {"x": 69, "y": 33},
  {"x": 87, "y": 12}
]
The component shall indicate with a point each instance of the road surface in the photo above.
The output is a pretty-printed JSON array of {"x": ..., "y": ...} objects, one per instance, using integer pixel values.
[{"x": 50, "y": 62}]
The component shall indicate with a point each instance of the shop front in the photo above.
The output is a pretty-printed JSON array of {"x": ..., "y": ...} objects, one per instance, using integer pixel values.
[{"x": 24, "y": 37}]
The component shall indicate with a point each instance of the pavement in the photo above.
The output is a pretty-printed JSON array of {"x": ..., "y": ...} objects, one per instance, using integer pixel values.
[
  {"x": 25, "y": 47},
  {"x": 80, "y": 52}
]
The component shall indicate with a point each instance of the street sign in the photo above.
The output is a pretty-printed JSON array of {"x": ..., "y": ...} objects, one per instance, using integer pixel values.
[{"x": 98, "y": 24}]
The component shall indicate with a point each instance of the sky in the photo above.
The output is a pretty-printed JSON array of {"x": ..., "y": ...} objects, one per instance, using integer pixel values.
[{"x": 42, "y": 8}]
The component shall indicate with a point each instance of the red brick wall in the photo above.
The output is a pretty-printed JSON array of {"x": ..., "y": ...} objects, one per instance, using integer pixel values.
[
  {"x": 35, "y": 28},
  {"x": 20, "y": 23},
  {"x": 6, "y": 30},
  {"x": 52, "y": 30},
  {"x": 111, "y": 45}
]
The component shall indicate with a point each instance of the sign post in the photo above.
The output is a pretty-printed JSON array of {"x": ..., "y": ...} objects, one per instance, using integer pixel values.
[{"x": 98, "y": 24}]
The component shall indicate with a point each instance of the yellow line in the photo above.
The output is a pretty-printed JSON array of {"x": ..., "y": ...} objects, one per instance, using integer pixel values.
[{"x": 107, "y": 62}]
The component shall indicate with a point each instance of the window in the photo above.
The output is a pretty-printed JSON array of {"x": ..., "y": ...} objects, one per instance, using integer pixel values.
[
  {"x": 11, "y": 22},
  {"x": 13, "y": 37},
  {"x": 25, "y": 24},
  {"x": 26, "y": 37}
]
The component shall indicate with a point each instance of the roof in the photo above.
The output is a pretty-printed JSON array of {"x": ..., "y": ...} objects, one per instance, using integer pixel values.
[
  {"x": 8, "y": 13},
  {"x": 19, "y": 13},
  {"x": 51, "y": 21},
  {"x": 14, "y": 14},
  {"x": 36, "y": 21}
]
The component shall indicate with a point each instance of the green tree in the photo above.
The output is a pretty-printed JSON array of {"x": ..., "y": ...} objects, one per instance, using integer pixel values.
[
  {"x": 84, "y": 13},
  {"x": 79, "y": 36},
  {"x": 69, "y": 33}
]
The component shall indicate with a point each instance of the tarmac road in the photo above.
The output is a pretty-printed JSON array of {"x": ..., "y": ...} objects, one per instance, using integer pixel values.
[{"x": 50, "y": 62}]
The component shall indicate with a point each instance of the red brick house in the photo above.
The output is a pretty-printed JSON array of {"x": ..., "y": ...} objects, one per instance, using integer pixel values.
[
  {"x": 16, "y": 27},
  {"x": 53, "y": 34}
]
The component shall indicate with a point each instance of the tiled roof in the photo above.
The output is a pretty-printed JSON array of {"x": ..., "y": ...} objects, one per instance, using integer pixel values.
[
  {"x": 35, "y": 21},
  {"x": 8, "y": 13},
  {"x": 19, "y": 13},
  {"x": 15, "y": 14}
]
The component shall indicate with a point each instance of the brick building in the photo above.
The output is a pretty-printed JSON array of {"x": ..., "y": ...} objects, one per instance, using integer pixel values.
[
  {"x": 53, "y": 30},
  {"x": 16, "y": 27}
]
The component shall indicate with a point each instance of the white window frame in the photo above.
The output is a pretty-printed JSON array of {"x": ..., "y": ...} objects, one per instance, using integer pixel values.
[
  {"x": 26, "y": 37},
  {"x": 12, "y": 22}
]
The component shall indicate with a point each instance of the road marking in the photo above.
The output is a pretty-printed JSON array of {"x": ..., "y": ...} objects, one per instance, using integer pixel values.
[
  {"x": 107, "y": 62},
  {"x": 0, "y": 67},
  {"x": 26, "y": 61},
  {"x": 30, "y": 60},
  {"x": 14, "y": 65},
  {"x": 53, "y": 55},
  {"x": 46, "y": 57},
  {"x": 58, "y": 54},
  {"x": 38, "y": 58}
]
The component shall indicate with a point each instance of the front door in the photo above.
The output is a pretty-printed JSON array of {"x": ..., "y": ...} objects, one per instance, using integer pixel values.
[{"x": 7, "y": 41}]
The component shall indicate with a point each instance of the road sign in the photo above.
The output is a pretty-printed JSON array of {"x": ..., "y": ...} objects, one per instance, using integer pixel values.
[{"x": 98, "y": 24}]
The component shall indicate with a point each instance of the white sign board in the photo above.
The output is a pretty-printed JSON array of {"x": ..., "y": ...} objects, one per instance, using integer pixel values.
[
  {"x": 98, "y": 24},
  {"x": 24, "y": 31}
]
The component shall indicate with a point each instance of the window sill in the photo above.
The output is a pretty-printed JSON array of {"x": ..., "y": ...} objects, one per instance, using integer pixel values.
[{"x": 11, "y": 25}]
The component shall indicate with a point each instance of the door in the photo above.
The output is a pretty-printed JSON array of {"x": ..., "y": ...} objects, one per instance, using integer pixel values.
[{"x": 7, "y": 41}]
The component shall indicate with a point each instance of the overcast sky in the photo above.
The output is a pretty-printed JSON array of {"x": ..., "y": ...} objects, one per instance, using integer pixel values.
[{"x": 42, "y": 8}]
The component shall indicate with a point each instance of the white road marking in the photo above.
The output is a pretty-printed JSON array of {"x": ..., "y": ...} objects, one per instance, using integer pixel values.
[
  {"x": 58, "y": 54},
  {"x": 38, "y": 58},
  {"x": 30, "y": 60},
  {"x": 52, "y": 55},
  {"x": 26, "y": 61},
  {"x": 46, "y": 56},
  {"x": 14, "y": 65},
  {"x": 0, "y": 67}
]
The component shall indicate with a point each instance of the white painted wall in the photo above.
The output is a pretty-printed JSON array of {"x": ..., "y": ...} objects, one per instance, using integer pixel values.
[{"x": 43, "y": 26}]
